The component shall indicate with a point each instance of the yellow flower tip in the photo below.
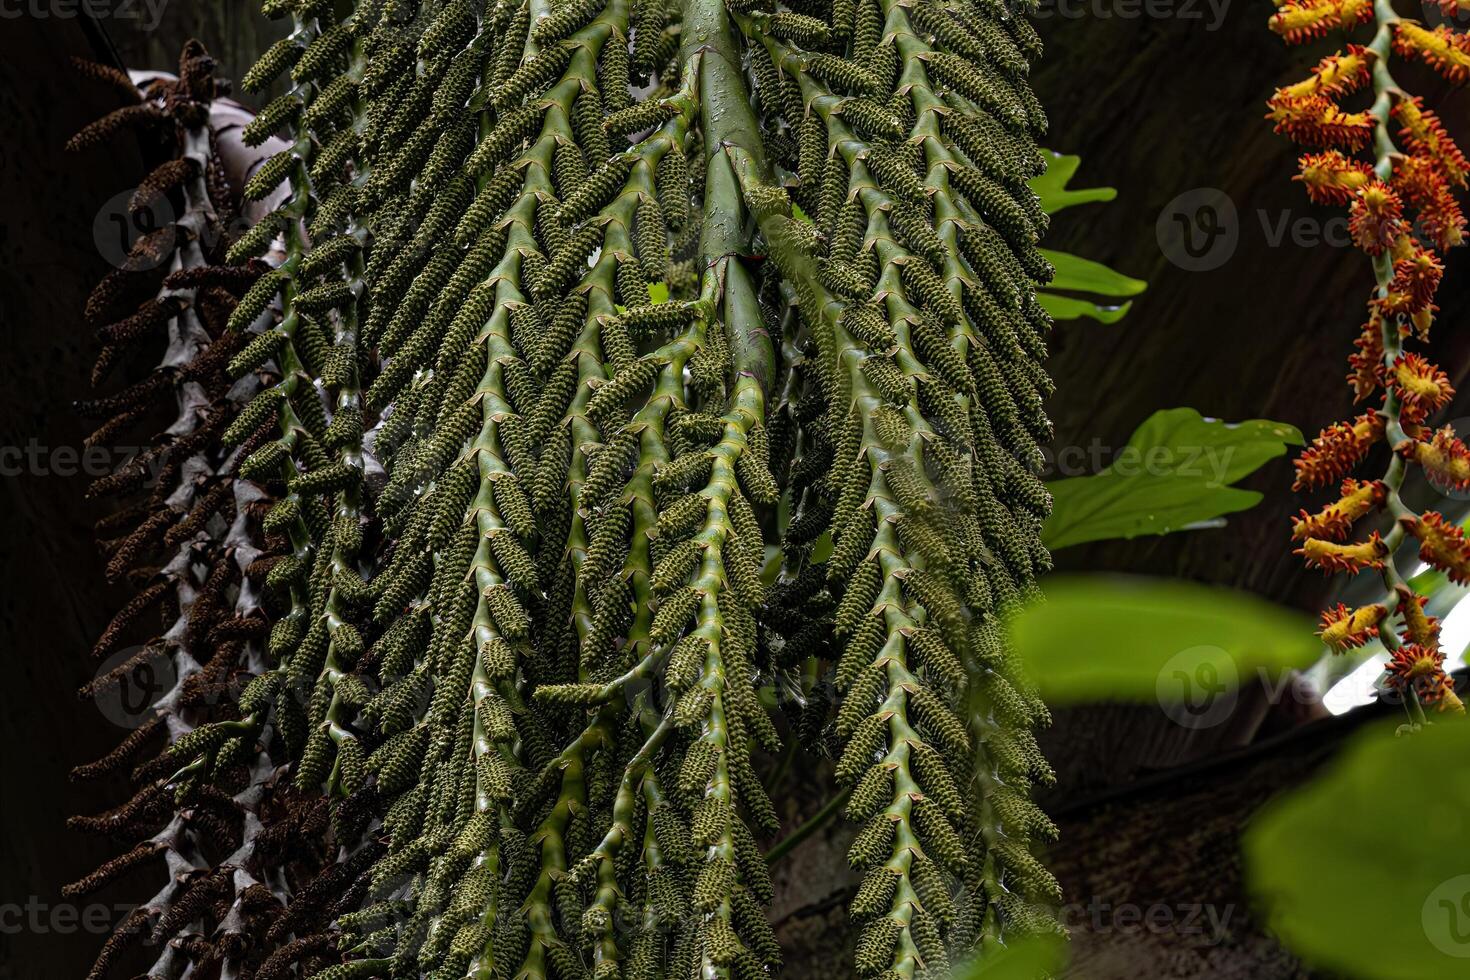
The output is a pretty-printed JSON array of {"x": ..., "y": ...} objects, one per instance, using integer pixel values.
[
  {"x": 1336, "y": 75},
  {"x": 1445, "y": 458},
  {"x": 1344, "y": 628},
  {"x": 1330, "y": 556},
  {"x": 1445, "y": 50},
  {"x": 1299, "y": 21},
  {"x": 1358, "y": 498}
]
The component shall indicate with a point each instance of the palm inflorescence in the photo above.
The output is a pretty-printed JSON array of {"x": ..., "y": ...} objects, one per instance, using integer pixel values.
[{"x": 619, "y": 390}]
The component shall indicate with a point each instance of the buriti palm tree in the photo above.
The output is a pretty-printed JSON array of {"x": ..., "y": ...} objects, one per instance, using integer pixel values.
[{"x": 608, "y": 369}]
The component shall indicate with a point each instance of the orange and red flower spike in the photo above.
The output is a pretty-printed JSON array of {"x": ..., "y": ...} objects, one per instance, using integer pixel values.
[
  {"x": 1445, "y": 50},
  {"x": 1418, "y": 626},
  {"x": 1332, "y": 178},
  {"x": 1441, "y": 544},
  {"x": 1359, "y": 498},
  {"x": 1409, "y": 270},
  {"x": 1335, "y": 75},
  {"x": 1344, "y": 628},
  {"x": 1377, "y": 218},
  {"x": 1446, "y": 460},
  {"x": 1421, "y": 181},
  {"x": 1420, "y": 382},
  {"x": 1424, "y": 135},
  {"x": 1336, "y": 450},
  {"x": 1316, "y": 120},
  {"x": 1367, "y": 361},
  {"x": 1299, "y": 21}
]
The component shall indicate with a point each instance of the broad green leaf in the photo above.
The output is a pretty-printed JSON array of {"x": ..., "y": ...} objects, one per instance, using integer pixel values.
[
  {"x": 1187, "y": 647},
  {"x": 658, "y": 292},
  {"x": 1052, "y": 187},
  {"x": 1075, "y": 273},
  {"x": 1068, "y": 308},
  {"x": 1364, "y": 871},
  {"x": 1024, "y": 959},
  {"x": 1175, "y": 474},
  {"x": 1086, "y": 276}
]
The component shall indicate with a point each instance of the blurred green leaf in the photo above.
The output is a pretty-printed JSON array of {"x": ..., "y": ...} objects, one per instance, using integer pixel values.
[
  {"x": 1099, "y": 637},
  {"x": 1084, "y": 275},
  {"x": 1070, "y": 308},
  {"x": 1174, "y": 474},
  {"x": 1024, "y": 959},
  {"x": 821, "y": 548},
  {"x": 1052, "y": 187},
  {"x": 1363, "y": 871},
  {"x": 658, "y": 292}
]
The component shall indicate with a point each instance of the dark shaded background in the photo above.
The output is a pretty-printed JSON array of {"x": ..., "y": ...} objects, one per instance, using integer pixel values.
[
  {"x": 1155, "y": 107},
  {"x": 53, "y": 599}
]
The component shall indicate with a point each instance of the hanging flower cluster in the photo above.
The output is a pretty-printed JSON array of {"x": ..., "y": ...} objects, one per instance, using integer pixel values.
[
  {"x": 1403, "y": 213},
  {"x": 192, "y": 538},
  {"x": 561, "y": 302}
]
